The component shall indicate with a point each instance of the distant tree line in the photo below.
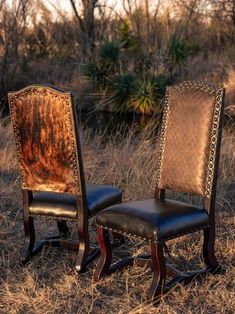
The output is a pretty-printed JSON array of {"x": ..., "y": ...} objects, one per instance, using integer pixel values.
[{"x": 127, "y": 56}]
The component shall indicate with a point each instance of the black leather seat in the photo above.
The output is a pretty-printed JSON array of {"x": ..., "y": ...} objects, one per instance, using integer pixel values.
[
  {"x": 64, "y": 204},
  {"x": 154, "y": 219}
]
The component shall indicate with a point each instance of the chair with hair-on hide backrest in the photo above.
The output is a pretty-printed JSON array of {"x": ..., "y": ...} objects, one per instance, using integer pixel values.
[
  {"x": 51, "y": 169},
  {"x": 187, "y": 162}
]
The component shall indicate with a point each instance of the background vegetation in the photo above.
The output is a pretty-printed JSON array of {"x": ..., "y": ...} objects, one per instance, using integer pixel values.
[{"x": 117, "y": 58}]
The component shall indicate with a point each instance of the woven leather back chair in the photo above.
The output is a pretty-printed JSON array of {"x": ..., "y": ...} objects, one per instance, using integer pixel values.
[
  {"x": 51, "y": 169},
  {"x": 188, "y": 162}
]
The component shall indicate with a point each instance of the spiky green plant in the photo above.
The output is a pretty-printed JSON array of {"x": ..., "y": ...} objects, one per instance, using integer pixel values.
[
  {"x": 125, "y": 37},
  {"x": 122, "y": 92},
  {"x": 109, "y": 57},
  {"x": 144, "y": 96},
  {"x": 97, "y": 74},
  {"x": 179, "y": 50}
]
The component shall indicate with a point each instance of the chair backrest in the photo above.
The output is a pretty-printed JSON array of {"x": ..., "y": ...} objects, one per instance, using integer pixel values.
[
  {"x": 46, "y": 139},
  {"x": 190, "y": 137}
]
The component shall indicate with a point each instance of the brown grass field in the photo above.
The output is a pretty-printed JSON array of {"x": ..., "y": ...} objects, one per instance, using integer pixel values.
[{"x": 48, "y": 283}]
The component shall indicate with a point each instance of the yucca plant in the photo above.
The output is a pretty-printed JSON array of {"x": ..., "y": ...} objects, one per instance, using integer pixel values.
[
  {"x": 179, "y": 50},
  {"x": 109, "y": 57},
  {"x": 122, "y": 93},
  {"x": 125, "y": 36},
  {"x": 102, "y": 71},
  {"x": 97, "y": 73},
  {"x": 144, "y": 96},
  {"x": 140, "y": 94}
]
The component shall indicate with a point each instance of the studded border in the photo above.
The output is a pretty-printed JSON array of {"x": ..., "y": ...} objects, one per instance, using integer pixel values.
[
  {"x": 213, "y": 142},
  {"x": 212, "y": 90},
  {"x": 14, "y": 97},
  {"x": 154, "y": 238},
  {"x": 162, "y": 136}
]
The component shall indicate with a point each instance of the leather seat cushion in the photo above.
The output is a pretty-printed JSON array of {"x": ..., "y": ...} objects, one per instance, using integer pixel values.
[
  {"x": 153, "y": 219},
  {"x": 64, "y": 205}
]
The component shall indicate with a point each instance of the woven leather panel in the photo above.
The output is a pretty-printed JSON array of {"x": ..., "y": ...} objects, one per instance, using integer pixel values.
[
  {"x": 187, "y": 138},
  {"x": 43, "y": 124}
]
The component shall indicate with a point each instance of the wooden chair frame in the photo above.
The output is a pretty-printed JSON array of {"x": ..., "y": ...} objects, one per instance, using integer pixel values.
[
  {"x": 30, "y": 248},
  {"x": 156, "y": 259}
]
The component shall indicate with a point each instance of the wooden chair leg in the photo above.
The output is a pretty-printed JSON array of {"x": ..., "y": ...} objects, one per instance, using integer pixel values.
[
  {"x": 208, "y": 248},
  {"x": 106, "y": 254},
  {"x": 159, "y": 271},
  {"x": 81, "y": 261},
  {"x": 63, "y": 228},
  {"x": 29, "y": 239}
]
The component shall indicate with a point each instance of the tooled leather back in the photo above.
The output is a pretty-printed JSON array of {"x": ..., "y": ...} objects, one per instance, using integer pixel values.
[
  {"x": 46, "y": 140},
  {"x": 188, "y": 138}
]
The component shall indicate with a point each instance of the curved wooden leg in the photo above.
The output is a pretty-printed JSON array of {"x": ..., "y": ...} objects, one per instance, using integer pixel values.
[
  {"x": 29, "y": 239},
  {"x": 81, "y": 261},
  {"x": 159, "y": 271},
  {"x": 63, "y": 228},
  {"x": 208, "y": 248},
  {"x": 105, "y": 259}
]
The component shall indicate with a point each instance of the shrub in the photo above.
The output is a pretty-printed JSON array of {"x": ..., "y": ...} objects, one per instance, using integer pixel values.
[
  {"x": 122, "y": 92},
  {"x": 144, "y": 95}
]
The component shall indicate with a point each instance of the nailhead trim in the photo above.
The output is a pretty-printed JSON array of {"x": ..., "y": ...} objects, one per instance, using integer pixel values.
[
  {"x": 155, "y": 233},
  {"x": 195, "y": 84},
  {"x": 218, "y": 93},
  {"x": 125, "y": 233},
  {"x": 61, "y": 96},
  {"x": 162, "y": 137},
  {"x": 213, "y": 143}
]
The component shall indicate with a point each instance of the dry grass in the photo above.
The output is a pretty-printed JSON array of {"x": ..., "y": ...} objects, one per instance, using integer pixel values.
[{"x": 48, "y": 284}]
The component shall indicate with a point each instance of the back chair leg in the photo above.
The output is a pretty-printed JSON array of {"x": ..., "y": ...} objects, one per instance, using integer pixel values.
[
  {"x": 63, "y": 228},
  {"x": 83, "y": 248},
  {"x": 208, "y": 248},
  {"x": 29, "y": 239},
  {"x": 105, "y": 259},
  {"x": 159, "y": 271}
]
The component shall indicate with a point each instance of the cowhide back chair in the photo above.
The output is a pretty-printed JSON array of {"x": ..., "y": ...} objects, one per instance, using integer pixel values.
[
  {"x": 187, "y": 162},
  {"x": 51, "y": 169}
]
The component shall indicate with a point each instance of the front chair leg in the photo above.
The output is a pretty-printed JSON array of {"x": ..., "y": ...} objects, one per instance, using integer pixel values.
[
  {"x": 159, "y": 271},
  {"x": 208, "y": 248},
  {"x": 29, "y": 239},
  {"x": 105, "y": 259}
]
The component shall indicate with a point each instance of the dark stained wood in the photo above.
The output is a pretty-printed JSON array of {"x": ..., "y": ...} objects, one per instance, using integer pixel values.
[
  {"x": 29, "y": 239},
  {"x": 208, "y": 248},
  {"x": 159, "y": 193},
  {"x": 159, "y": 271},
  {"x": 106, "y": 254}
]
